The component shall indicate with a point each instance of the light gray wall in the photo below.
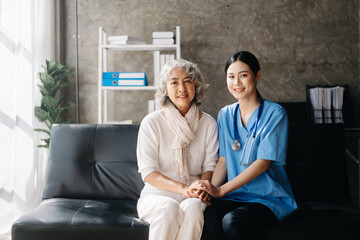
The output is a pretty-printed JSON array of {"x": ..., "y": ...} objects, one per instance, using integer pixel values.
[{"x": 296, "y": 42}]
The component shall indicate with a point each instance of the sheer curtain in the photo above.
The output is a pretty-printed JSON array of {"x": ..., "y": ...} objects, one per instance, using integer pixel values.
[{"x": 26, "y": 40}]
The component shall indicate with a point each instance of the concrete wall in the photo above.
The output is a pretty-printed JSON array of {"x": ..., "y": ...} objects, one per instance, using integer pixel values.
[{"x": 296, "y": 42}]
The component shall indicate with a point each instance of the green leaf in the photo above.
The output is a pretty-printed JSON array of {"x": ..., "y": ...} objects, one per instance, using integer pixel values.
[
  {"x": 42, "y": 146},
  {"x": 57, "y": 113},
  {"x": 51, "y": 66},
  {"x": 43, "y": 90},
  {"x": 46, "y": 79},
  {"x": 40, "y": 114},
  {"x": 53, "y": 88},
  {"x": 47, "y": 143},
  {"x": 64, "y": 84},
  {"x": 42, "y": 130},
  {"x": 50, "y": 103}
]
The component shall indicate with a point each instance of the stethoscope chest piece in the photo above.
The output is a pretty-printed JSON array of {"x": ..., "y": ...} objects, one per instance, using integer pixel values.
[
  {"x": 236, "y": 145},
  {"x": 252, "y": 133}
]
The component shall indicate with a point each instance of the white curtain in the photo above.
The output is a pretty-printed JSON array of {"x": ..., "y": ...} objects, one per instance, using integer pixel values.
[{"x": 26, "y": 40}]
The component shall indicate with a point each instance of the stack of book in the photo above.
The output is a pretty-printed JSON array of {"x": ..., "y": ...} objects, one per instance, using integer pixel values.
[
  {"x": 159, "y": 61},
  {"x": 124, "y": 79},
  {"x": 152, "y": 106},
  {"x": 164, "y": 58},
  {"x": 163, "y": 38},
  {"x": 124, "y": 39}
]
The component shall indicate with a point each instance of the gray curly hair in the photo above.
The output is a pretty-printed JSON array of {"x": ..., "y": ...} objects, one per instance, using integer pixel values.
[{"x": 191, "y": 69}]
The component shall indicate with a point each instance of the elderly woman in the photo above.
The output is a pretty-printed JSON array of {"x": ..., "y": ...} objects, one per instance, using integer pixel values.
[{"x": 177, "y": 145}]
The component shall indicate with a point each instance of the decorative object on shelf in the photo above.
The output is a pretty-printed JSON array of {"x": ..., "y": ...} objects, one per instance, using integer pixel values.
[{"x": 50, "y": 111}]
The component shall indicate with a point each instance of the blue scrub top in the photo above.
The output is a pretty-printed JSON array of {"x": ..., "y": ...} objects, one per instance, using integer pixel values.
[{"x": 271, "y": 188}]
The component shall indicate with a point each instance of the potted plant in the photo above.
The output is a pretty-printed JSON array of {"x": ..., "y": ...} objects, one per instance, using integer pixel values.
[{"x": 50, "y": 110}]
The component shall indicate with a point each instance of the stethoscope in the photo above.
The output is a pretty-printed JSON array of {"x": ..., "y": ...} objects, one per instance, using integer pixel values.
[{"x": 236, "y": 145}]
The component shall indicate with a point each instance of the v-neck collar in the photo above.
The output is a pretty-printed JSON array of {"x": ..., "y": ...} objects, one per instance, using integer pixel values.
[{"x": 250, "y": 121}]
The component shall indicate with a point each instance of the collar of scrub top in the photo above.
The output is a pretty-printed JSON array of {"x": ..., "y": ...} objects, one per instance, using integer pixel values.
[{"x": 236, "y": 140}]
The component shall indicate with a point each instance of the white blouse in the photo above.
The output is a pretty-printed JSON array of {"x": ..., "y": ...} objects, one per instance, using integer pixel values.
[{"x": 154, "y": 148}]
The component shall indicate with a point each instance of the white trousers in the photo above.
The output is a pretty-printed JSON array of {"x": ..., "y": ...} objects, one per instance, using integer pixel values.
[{"x": 170, "y": 219}]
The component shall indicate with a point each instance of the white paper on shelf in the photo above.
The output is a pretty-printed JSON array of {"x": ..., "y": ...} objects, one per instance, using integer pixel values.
[
  {"x": 337, "y": 103},
  {"x": 157, "y": 107},
  {"x": 316, "y": 97},
  {"x": 162, "y": 61},
  {"x": 327, "y": 104},
  {"x": 157, "y": 68},
  {"x": 151, "y": 106}
]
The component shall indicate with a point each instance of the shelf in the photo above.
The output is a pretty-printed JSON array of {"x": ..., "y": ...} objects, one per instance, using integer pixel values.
[
  {"x": 104, "y": 47},
  {"x": 147, "y": 47},
  {"x": 130, "y": 88}
]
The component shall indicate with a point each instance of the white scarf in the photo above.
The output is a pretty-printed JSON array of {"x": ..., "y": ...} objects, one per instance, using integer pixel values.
[{"x": 184, "y": 129}]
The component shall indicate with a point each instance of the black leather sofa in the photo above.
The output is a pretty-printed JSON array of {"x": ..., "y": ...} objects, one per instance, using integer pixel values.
[{"x": 92, "y": 186}]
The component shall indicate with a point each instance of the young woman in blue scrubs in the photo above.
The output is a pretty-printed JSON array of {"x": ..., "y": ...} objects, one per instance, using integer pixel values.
[{"x": 249, "y": 180}]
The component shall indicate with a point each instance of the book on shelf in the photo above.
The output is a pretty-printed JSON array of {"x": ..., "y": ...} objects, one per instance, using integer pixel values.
[
  {"x": 163, "y": 34},
  {"x": 123, "y": 37},
  {"x": 159, "y": 62},
  {"x": 124, "y": 75},
  {"x": 164, "y": 58},
  {"x": 151, "y": 106},
  {"x": 163, "y": 41},
  {"x": 156, "y": 68},
  {"x": 126, "y": 42},
  {"x": 108, "y": 82}
]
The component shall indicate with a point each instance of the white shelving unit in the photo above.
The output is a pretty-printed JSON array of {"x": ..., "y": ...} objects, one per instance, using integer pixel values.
[{"x": 102, "y": 66}]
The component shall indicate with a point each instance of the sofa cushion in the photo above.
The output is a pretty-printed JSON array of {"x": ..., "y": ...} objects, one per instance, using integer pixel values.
[
  {"x": 316, "y": 164},
  {"x": 73, "y": 219},
  {"x": 317, "y": 220},
  {"x": 93, "y": 162}
]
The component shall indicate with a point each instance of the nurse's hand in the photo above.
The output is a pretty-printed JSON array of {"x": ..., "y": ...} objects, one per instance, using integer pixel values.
[
  {"x": 205, "y": 185},
  {"x": 200, "y": 194},
  {"x": 204, "y": 196}
]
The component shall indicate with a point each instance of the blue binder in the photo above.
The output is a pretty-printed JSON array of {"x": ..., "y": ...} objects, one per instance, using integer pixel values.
[
  {"x": 124, "y": 75},
  {"x": 108, "y": 82}
]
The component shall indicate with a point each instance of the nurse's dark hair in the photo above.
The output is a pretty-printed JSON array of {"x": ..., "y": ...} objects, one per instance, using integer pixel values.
[{"x": 245, "y": 57}]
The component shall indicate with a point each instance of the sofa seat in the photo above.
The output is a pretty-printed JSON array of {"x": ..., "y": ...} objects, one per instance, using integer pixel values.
[
  {"x": 61, "y": 218},
  {"x": 318, "y": 220}
]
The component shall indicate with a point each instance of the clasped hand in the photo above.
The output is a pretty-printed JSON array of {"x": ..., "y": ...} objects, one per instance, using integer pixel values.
[{"x": 203, "y": 190}]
